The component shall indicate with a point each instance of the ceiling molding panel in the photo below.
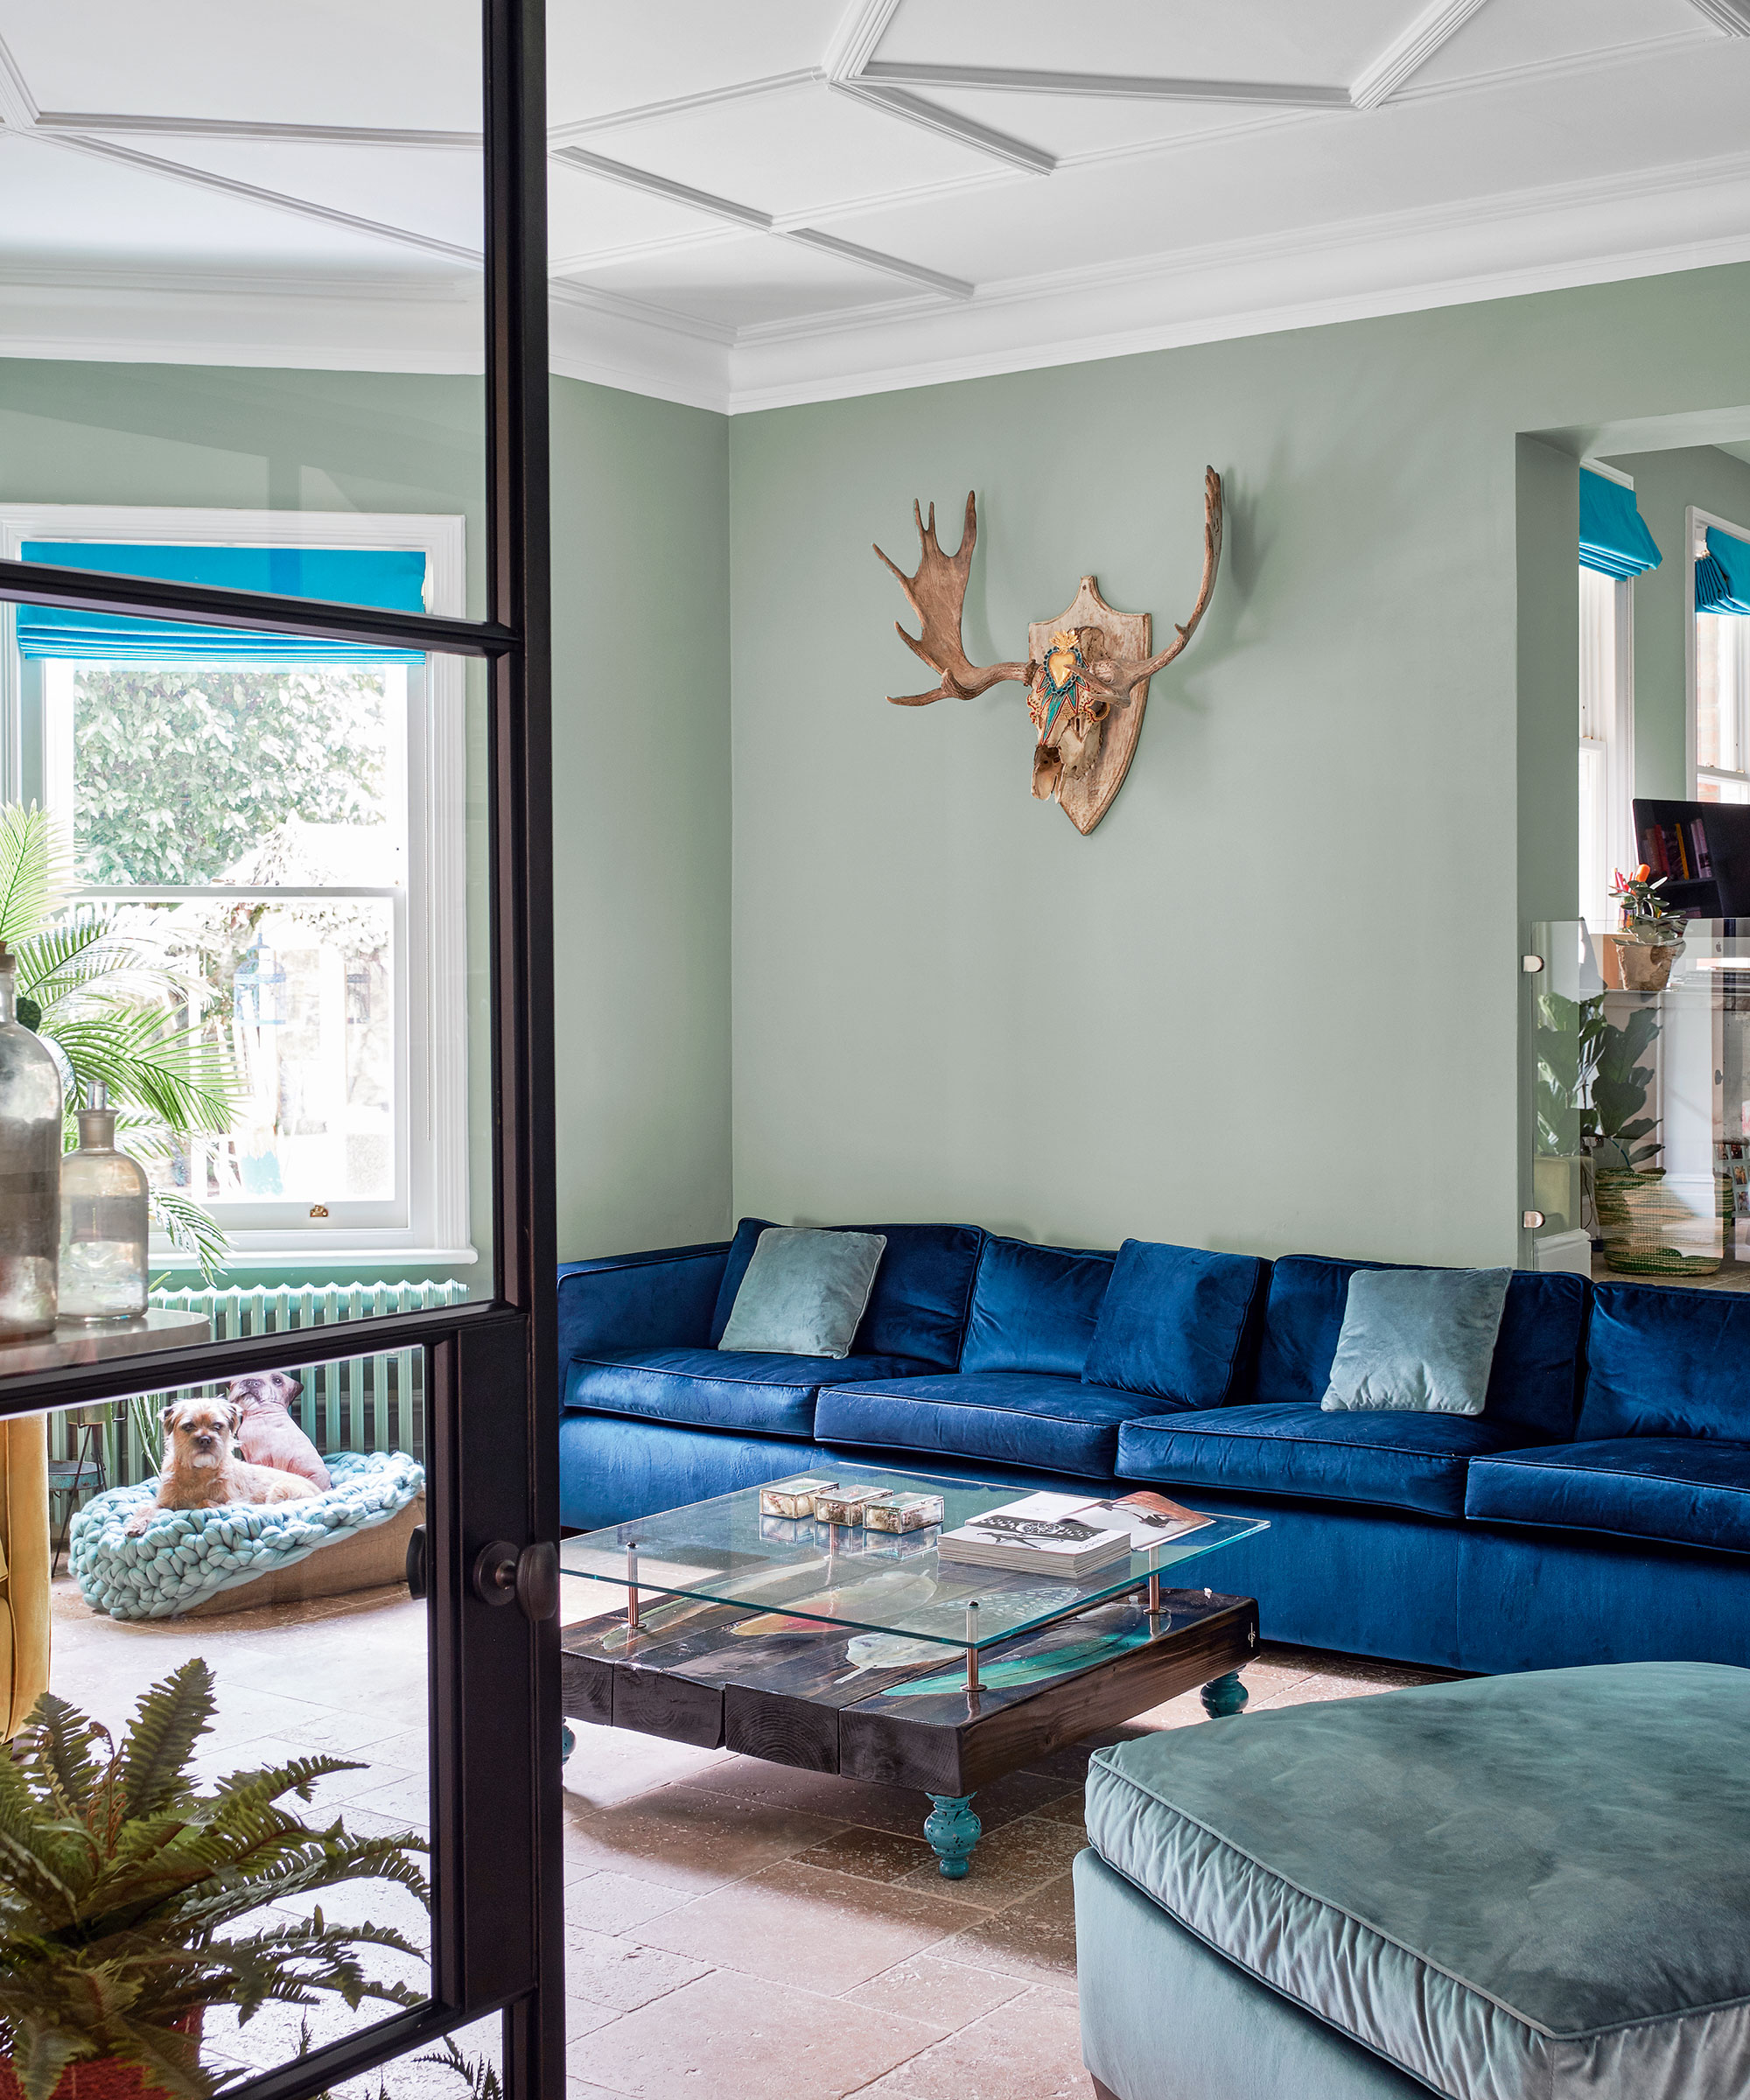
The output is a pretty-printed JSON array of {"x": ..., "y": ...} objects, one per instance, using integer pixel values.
[
  {"x": 878, "y": 256},
  {"x": 1681, "y": 218},
  {"x": 1408, "y": 53},
  {"x": 277, "y": 200},
  {"x": 221, "y": 126},
  {"x": 18, "y": 107},
  {"x": 1732, "y": 16},
  {"x": 1015, "y": 80}
]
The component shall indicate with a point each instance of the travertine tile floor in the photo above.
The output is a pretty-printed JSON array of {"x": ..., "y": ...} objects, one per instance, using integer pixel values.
[{"x": 735, "y": 1930}]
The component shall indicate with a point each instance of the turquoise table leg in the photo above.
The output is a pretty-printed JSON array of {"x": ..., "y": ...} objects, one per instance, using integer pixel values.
[
  {"x": 1224, "y": 1695},
  {"x": 953, "y": 1829}
]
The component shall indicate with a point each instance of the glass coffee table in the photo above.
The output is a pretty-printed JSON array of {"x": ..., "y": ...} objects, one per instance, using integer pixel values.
[{"x": 866, "y": 1653}]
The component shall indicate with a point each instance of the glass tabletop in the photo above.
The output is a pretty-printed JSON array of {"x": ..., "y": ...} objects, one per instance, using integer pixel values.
[{"x": 726, "y": 1552}]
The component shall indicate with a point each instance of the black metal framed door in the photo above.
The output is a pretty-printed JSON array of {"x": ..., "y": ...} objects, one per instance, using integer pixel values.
[{"x": 491, "y": 1524}]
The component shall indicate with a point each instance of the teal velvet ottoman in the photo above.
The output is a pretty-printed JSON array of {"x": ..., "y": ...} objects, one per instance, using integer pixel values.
[{"x": 1529, "y": 1888}]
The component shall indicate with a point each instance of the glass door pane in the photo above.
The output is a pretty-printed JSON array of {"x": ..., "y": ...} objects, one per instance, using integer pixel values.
[{"x": 251, "y": 242}]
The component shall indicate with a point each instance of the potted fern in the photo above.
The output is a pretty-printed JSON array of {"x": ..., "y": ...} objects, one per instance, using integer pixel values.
[{"x": 122, "y": 1890}]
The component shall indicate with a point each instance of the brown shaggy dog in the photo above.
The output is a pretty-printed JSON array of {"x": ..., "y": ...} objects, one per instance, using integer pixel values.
[
  {"x": 201, "y": 1472},
  {"x": 266, "y": 1433}
]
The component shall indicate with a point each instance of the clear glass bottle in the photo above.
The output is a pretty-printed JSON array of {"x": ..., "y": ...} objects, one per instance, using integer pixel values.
[
  {"x": 103, "y": 1220},
  {"x": 30, "y": 1169}
]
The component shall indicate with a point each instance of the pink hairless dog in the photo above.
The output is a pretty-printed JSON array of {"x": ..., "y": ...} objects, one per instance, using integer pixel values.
[{"x": 267, "y": 1434}]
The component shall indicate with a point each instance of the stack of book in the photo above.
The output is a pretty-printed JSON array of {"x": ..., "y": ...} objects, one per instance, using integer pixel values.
[{"x": 1067, "y": 1536}]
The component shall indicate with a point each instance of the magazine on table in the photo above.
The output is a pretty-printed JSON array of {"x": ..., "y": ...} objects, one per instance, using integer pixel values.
[{"x": 1067, "y": 1535}]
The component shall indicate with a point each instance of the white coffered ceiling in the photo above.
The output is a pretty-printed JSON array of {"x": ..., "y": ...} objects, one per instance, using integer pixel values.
[{"x": 788, "y": 199}]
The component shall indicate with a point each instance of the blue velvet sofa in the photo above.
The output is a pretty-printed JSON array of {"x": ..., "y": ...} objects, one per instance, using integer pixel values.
[{"x": 1597, "y": 1510}]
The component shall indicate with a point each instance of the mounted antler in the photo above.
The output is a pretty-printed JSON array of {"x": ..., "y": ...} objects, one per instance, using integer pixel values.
[
  {"x": 1120, "y": 674},
  {"x": 937, "y": 595}
]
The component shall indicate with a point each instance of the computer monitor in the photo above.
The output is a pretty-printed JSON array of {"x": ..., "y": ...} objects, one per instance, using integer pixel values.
[{"x": 1702, "y": 850}]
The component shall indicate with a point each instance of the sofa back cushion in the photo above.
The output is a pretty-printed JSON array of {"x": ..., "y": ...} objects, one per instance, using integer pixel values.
[
  {"x": 1533, "y": 1382},
  {"x": 1177, "y": 1322},
  {"x": 1667, "y": 1363},
  {"x": 922, "y": 1289},
  {"x": 1033, "y": 1308}
]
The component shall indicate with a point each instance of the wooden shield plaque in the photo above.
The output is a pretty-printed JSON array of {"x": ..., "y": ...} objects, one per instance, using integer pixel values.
[{"x": 1086, "y": 795}]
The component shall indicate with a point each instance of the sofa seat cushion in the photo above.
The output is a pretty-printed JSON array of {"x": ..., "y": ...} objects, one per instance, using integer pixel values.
[
  {"x": 1521, "y": 1885},
  {"x": 1404, "y": 1459},
  {"x": 1005, "y": 1417},
  {"x": 1533, "y": 1380},
  {"x": 1689, "y": 1491},
  {"x": 922, "y": 1290},
  {"x": 712, "y": 1388}
]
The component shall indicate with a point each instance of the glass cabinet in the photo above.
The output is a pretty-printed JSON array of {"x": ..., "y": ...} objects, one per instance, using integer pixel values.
[{"x": 1638, "y": 1108}]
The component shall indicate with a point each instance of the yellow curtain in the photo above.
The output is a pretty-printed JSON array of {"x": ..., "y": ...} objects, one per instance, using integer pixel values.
[{"x": 24, "y": 1568}]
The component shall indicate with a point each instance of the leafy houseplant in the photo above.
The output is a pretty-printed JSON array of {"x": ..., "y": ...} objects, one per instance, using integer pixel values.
[
  {"x": 119, "y": 1888},
  {"x": 97, "y": 992},
  {"x": 1639, "y": 1221}
]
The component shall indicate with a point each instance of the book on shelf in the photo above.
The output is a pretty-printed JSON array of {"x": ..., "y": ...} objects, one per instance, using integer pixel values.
[{"x": 1067, "y": 1535}]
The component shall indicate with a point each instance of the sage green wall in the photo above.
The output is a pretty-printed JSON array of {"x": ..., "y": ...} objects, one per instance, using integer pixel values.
[
  {"x": 640, "y": 707},
  {"x": 641, "y": 833},
  {"x": 1666, "y": 483},
  {"x": 1271, "y": 1003}
]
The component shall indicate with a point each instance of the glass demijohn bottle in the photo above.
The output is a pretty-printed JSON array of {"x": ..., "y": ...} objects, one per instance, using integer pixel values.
[
  {"x": 103, "y": 1220},
  {"x": 30, "y": 1169}
]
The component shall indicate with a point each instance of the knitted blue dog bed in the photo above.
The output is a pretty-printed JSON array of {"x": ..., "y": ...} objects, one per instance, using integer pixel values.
[{"x": 185, "y": 1556}]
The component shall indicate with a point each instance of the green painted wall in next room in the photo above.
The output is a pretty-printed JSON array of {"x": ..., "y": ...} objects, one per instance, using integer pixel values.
[
  {"x": 1666, "y": 484},
  {"x": 1272, "y": 1002},
  {"x": 640, "y": 709}
]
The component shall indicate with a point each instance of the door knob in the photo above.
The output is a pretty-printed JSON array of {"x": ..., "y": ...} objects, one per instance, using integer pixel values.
[
  {"x": 416, "y": 1560},
  {"x": 526, "y": 1576}
]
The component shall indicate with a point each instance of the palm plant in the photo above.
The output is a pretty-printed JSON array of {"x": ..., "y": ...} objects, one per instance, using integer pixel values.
[
  {"x": 95, "y": 988},
  {"x": 120, "y": 1887}
]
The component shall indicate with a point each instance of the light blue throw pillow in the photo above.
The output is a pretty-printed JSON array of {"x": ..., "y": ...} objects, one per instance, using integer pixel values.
[
  {"x": 1420, "y": 1339},
  {"x": 804, "y": 1291}
]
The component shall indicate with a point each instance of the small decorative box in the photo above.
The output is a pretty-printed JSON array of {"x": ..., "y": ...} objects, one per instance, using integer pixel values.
[
  {"x": 845, "y": 1505},
  {"x": 904, "y": 1512},
  {"x": 793, "y": 1498}
]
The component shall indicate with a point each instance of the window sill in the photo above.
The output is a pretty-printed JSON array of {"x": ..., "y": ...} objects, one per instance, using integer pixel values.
[{"x": 319, "y": 1250}]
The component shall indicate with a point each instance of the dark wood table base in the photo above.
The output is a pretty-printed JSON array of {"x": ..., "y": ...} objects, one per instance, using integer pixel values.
[{"x": 877, "y": 1706}]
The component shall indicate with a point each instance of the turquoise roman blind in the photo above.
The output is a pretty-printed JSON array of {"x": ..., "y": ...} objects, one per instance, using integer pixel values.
[
  {"x": 1722, "y": 581},
  {"x": 390, "y": 579},
  {"x": 1613, "y": 535}
]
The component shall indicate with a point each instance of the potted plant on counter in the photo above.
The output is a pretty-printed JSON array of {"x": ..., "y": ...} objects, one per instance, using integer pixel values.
[
  {"x": 1638, "y": 957},
  {"x": 121, "y": 1889}
]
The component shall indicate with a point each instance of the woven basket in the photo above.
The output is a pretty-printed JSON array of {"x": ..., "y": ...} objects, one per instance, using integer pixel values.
[{"x": 1648, "y": 1232}]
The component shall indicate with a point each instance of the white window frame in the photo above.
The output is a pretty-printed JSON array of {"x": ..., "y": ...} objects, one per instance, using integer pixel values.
[
  {"x": 431, "y": 1038},
  {"x": 1695, "y": 524},
  {"x": 1607, "y": 738}
]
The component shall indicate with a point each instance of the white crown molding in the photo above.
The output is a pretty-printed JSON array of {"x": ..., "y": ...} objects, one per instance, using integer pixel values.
[
  {"x": 1680, "y": 218},
  {"x": 1732, "y": 16},
  {"x": 609, "y": 342},
  {"x": 1406, "y": 54},
  {"x": 313, "y": 325}
]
